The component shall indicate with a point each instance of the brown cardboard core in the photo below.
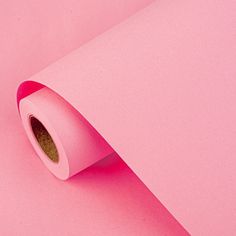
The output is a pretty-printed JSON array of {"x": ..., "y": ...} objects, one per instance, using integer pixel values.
[{"x": 44, "y": 139}]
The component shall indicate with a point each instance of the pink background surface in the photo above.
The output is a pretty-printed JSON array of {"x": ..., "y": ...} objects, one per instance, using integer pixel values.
[
  {"x": 104, "y": 199},
  {"x": 195, "y": 39},
  {"x": 160, "y": 88}
]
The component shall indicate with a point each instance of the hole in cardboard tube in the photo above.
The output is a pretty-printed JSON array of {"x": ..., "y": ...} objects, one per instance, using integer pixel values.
[{"x": 44, "y": 139}]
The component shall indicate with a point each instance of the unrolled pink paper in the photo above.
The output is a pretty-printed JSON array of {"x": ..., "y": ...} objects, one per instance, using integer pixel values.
[{"x": 160, "y": 89}]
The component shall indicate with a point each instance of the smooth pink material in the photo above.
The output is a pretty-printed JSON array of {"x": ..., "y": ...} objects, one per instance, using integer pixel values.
[
  {"x": 160, "y": 88},
  {"x": 105, "y": 199},
  {"x": 78, "y": 144}
]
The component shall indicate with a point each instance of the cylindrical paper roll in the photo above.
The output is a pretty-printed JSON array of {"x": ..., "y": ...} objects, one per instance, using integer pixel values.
[
  {"x": 62, "y": 138},
  {"x": 160, "y": 88}
]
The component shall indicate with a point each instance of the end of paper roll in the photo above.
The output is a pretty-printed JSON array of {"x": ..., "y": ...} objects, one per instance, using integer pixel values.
[
  {"x": 62, "y": 138},
  {"x": 44, "y": 139}
]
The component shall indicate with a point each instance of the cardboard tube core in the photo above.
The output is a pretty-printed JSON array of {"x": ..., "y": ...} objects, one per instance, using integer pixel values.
[{"x": 44, "y": 139}]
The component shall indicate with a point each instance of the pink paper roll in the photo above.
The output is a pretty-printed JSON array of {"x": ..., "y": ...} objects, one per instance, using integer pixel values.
[
  {"x": 78, "y": 144},
  {"x": 160, "y": 89}
]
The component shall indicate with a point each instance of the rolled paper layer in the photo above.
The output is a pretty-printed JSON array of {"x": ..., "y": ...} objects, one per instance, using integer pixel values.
[
  {"x": 62, "y": 138},
  {"x": 160, "y": 89}
]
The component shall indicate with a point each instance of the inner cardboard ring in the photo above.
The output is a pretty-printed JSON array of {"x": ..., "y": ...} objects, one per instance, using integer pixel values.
[{"x": 44, "y": 139}]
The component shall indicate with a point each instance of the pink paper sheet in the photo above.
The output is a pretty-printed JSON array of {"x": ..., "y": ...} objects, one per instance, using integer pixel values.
[
  {"x": 105, "y": 199},
  {"x": 160, "y": 88}
]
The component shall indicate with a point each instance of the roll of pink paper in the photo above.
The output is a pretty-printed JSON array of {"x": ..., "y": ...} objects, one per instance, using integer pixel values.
[
  {"x": 160, "y": 88},
  {"x": 77, "y": 144}
]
